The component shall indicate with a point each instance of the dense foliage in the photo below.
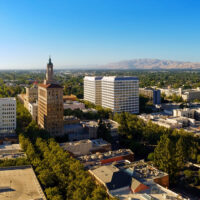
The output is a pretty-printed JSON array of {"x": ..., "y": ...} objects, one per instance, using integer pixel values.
[
  {"x": 97, "y": 113},
  {"x": 73, "y": 81},
  {"x": 61, "y": 176},
  {"x": 173, "y": 148},
  {"x": 14, "y": 162},
  {"x": 9, "y": 91},
  {"x": 174, "y": 151}
]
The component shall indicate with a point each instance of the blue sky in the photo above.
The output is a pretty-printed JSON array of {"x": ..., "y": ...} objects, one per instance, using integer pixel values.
[{"x": 81, "y": 32}]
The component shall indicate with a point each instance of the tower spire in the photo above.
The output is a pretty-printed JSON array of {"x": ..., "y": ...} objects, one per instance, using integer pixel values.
[
  {"x": 49, "y": 72},
  {"x": 50, "y": 59}
]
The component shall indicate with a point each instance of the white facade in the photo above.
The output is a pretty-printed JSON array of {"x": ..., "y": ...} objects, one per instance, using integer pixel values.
[
  {"x": 191, "y": 95},
  {"x": 7, "y": 115},
  {"x": 92, "y": 89},
  {"x": 121, "y": 94},
  {"x": 33, "y": 109},
  {"x": 186, "y": 112}
]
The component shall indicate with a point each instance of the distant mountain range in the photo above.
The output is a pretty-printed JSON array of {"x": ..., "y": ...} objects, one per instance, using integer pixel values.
[{"x": 151, "y": 64}]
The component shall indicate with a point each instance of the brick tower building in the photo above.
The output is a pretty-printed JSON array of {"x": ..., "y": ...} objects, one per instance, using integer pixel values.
[{"x": 50, "y": 104}]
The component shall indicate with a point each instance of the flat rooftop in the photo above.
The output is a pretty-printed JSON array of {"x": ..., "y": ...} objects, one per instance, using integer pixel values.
[
  {"x": 142, "y": 170},
  {"x": 19, "y": 183},
  {"x": 90, "y": 123},
  {"x": 95, "y": 159},
  {"x": 84, "y": 147},
  {"x": 95, "y": 142},
  {"x": 99, "y": 142},
  {"x": 155, "y": 192},
  {"x": 8, "y": 147},
  {"x": 8, "y": 98},
  {"x": 75, "y": 143},
  {"x": 92, "y": 78},
  {"x": 8, "y": 151},
  {"x": 119, "y": 78}
]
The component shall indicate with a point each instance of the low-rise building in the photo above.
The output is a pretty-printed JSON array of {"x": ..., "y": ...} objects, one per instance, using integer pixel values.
[
  {"x": 113, "y": 127},
  {"x": 191, "y": 95},
  {"x": 71, "y": 120},
  {"x": 187, "y": 95},
  {"x": 19, "y": 183},
  {"x": 186, "y": 112},
  {"x": 168, "y": 122},
  {"x": 136, "y": 180},
  {"x": 10, "y": 151},
  {"x": 79, "y": 130},
  {"x": 84, "y": 147},
  {"x": 103, "y": 158},
  {"x": 74, "y": 105},
  {"x": 91, "y": 128},
  {"x": 170, "y": 91}
]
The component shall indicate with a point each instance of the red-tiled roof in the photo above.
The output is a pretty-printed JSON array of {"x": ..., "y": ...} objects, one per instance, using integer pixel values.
[{"x": 50, "y": 85}]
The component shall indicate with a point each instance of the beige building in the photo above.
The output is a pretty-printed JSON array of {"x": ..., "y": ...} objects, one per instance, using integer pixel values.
[
  {"x": 30, "y": 100},
  {"x": 136, "y": 180},
  {"x": 32, "y": 93},
  {"x": 50, "y": 104},
  {"x": 85, "y": 147}
]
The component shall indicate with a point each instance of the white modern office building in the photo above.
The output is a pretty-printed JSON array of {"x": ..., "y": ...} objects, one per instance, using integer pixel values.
[
  {"x": 121, "y": 94},
  {"x": 92, "y": 89},
  {"x": 7, "y": 115},
  {"x": 117, "y": 93}
]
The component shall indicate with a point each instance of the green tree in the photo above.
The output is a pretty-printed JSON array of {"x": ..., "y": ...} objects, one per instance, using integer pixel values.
[
  {"x": 164, "y": 156},
  {"x": 53, "y": 193}
]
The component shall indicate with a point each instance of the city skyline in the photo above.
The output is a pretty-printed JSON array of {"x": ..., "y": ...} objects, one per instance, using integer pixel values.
[{"x": 97, "y": 32}]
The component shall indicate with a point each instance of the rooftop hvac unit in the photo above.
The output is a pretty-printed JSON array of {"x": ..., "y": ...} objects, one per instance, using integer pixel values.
[
  {"x": 93, "y": 156},
  {"x": 147, "y": 197},
  {"x": 100, "y": 156}
]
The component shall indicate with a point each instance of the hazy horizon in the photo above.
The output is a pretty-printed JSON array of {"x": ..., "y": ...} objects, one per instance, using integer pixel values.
[{"x": 89, "y": 66}]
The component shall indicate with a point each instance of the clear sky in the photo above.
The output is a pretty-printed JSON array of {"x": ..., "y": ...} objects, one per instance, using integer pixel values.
[{"x": 81, "y": 32}]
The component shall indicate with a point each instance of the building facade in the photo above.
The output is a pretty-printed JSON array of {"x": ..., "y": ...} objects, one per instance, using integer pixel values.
[
  {"x": 32, "y": 93},
  {"x": 50, "y": 104},
  {"x": 120, "y": 94},
  {"x": 33, "y": 110},
  {"x": 191, "y": 95},
  {"x": 151, "y": 93},
  {"x": 92, "y": 89},
  {"x": 7, "y": 115}
]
